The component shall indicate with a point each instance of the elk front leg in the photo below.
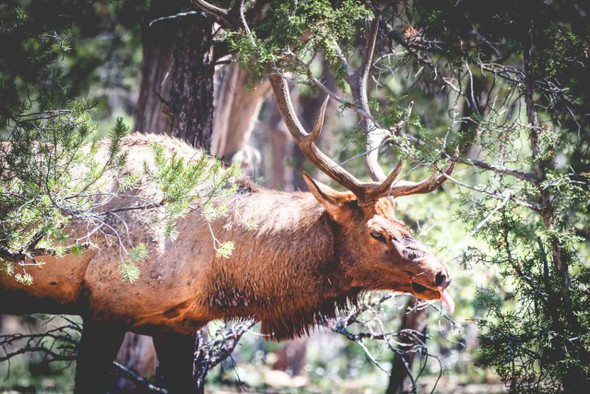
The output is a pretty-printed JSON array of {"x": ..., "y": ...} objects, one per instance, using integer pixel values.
[
  {"x": 96, "y": 353},
  {"x": 175, "y": 362}
]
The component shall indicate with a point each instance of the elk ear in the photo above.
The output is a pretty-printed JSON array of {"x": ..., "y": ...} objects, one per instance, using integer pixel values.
[{"x": 333, "y": 200}]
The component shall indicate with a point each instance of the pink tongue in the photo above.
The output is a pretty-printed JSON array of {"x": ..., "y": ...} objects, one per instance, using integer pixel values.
[{"x": 446, "y": 298}]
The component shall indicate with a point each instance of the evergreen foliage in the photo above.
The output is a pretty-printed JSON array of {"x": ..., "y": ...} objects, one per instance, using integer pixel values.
[
  {"x": 530, "y": 57},
  {"x": 51, "y": 170},
  {"x": 513, "y": 78}
]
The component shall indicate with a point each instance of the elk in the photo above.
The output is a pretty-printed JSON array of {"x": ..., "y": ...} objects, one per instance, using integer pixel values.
[{"x": 311, "y": 254}]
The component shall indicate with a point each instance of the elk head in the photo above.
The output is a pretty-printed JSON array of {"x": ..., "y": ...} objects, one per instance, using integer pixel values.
[{"x": 377, "y": 250}]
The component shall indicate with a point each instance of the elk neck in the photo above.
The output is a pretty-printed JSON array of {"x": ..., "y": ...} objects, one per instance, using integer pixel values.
[{"x": 285, "y": 270}]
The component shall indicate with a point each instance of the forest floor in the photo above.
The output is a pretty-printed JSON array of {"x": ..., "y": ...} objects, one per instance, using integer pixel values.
[{"x": 300, "y": 385}]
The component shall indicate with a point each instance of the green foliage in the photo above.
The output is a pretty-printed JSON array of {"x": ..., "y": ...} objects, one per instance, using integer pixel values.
[
  {"x": 7, "y": 268},
  {"x": 530, "y": 333},
  {"x": 128, "y": 269},
  {"x": 225, "y": 249},
  {"x": 54, "y": 170},
  {"x": 535, "y": 331},
  {"x": 569, "y": 50},
  {"x": 251, "y": 225},
  {"x": 531, "y": 235},
  {"x": 533, "y": 315},
  {"x": 24, "y": 278},
  {"x": 48, "y": 177},
  {"x": 202, "y": 180},
  {"x": 279, "y": 36}
]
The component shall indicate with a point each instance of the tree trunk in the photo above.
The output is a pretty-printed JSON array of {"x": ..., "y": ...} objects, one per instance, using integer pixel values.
[
  {"x": 175, "y": 98},
  {"x": 279, "y": 169},
  {"x": 281, "y": 175},
  {"x": 237, "y": 106},
  {"x": 291, "y": 357},
  {"x": 149, "y": 114},
  {"x": 413, "y": 321},
  {"x": 137, "y": 353},
  {"x": 176, "y": 95},
  {"x": 191, "y": 77},
  {"x": 309, "y": 106}
]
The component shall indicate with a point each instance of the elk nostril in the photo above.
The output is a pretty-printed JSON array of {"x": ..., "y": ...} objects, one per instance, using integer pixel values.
[{"x": 440, "y": 279}]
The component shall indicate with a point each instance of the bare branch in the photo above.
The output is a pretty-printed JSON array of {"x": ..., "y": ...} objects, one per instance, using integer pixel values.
[
  {"x": 525, "y": 204},
  {"x": 129, "y": 374},
  {"x": 211, "y": 353},
  {"x": 221, "y": 14},
  {"x": 525, "y": 176}
]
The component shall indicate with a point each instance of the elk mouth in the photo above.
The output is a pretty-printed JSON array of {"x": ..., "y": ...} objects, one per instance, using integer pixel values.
[
  {"x": 426, "y": 293},
  {"x": 418, "y": 288}
]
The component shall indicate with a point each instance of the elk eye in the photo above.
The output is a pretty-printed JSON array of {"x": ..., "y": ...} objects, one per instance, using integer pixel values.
[{"x": 378, "y": 236}]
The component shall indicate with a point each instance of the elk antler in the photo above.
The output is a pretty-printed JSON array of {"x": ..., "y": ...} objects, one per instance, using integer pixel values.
[
  {"x": 377, "y": 135},
  {"x": 366, "y": 192}
]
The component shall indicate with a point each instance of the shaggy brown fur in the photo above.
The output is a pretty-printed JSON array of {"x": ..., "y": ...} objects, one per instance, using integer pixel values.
[{"x": 310, "y": 254}]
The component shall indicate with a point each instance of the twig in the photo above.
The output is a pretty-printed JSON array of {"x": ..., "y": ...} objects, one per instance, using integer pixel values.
[
  {"x": 137, "y": 379},
  {"x": 487, "y": 218}
]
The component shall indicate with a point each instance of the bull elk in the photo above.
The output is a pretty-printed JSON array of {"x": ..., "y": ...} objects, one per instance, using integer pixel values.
[{"x": 310, "y": 254}]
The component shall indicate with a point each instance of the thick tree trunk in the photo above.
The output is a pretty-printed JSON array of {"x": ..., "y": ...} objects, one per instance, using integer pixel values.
[
  {"x": 150, "y": 110},
  {"x": 191, "y": 78},
  {"x": 176, "y": 98},
  {"x": 176, "y": 94}
]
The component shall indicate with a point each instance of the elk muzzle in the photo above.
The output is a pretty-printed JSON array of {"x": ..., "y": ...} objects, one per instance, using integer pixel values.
[{"x": 429, "y": 277}]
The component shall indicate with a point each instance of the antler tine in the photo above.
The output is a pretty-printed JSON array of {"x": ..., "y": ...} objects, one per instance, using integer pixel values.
[
  {"x": 426, "y": 186},
  {"x": 384, "y": 188},
  {"x": 366, "y": 192},
  {"x": 306, "y": 140},
  {"x": 319, "y": 123}
]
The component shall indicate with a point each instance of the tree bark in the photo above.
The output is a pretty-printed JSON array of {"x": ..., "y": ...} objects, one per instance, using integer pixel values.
[
  {"x": 176, "y": 94},
  {"x": 237, "y": 106},
  {"x": 191, "y": 75},
  {"x": 137, "y": 353},
  {"x": 281, "y": 175},
  {"x": 176, "y": 98},
  {"x": 149, "y": 114},
  {"x": 309, "y": 106}
]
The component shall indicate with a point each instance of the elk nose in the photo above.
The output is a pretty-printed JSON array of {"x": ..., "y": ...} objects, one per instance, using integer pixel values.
[{"x": 442, "y": 279}]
